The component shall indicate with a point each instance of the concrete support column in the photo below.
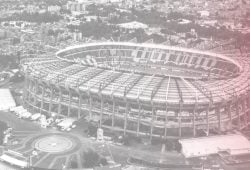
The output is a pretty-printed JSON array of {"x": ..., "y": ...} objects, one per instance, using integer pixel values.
[
  {"x": 113, "y": 114},
  {"x": 219, "y": 117},
  {"x": 29, "y": 91},
  {"x": 126, "y": 119},
  {"x": 230, "y": 112},
  {"x": 79, "y": 105},
  {"x": 152, "y": 123},
  {"x": 90, "y": 107},
  {"x": 69, "y": 106},
  {"x": 244, "y": 111},
  {"x": 138, "y": 121},
  {"x": 180, "y": 123},
  {"x": 194, "y": 114},
  {"x": 248, "y": 107},
  {"x": 51, "y": 99},
  {"x": 25, "y": 92},
  {"x": 42, "y": 101},
  {"x": 207, "y": 119},
  {"x": 179, "y": 117},
  {"x": 28, "y": 95},
  {"x": 36, "y": 94},
  {"x": 238, "y": 114},
  {"x": 101, "y": 121},
  {"x": 60, "y": 102},
  {"x": 194, "y": 125},
  {"x": 166, "y": 122}
]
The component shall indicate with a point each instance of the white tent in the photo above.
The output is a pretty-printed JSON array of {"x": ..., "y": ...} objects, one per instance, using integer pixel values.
[
  {"x": 196, "y": 147},
  {"x": 66, "y": 123},
  {"x": 6, "y": 99},
  {"x": 133, "y": 25}
]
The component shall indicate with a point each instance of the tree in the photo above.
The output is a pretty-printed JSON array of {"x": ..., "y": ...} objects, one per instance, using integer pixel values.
[
  {"x": 92, "y": 129},
  {"x": 90, "y": 159},
  {"x": 178, "y": 146},
  {"x": 3, "y": 127},
  {"x": 73, "y": 164},
  {"x": 169, "y": 145},
  {"x": 95, "y": 29},
  {"x": 65, "y": 11},
  {"x": 34, "y": 17},
  {"x": 103, "y": 161}
]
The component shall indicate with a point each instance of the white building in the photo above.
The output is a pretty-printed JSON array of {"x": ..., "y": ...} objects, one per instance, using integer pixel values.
[
  {"x": 234, "y": 144},
  {"x": 32, "y": 9},
  {"x": 6, "y": 99},
  {"x": 204, "y": 14},
  {"x": 54, "y": 8},
  {"x": 76, "y": 7},
  {"x": 77, "y": 36}
]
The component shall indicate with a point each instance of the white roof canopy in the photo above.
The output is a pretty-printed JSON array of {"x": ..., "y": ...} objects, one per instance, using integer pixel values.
[
  {"x": 196, "y": 147},
  {"x": 6, "y": 99}
]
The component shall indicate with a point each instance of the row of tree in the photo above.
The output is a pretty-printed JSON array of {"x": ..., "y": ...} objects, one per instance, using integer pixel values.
[
  {"x": 89, "y": 159},
  {"x": 33, "y": 17}
]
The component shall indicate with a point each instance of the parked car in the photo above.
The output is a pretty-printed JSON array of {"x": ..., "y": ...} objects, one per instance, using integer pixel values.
[
  {"x": 35, "y": 116},
  {"x": 50, "y": 120},
  {"x": 26, "y": 115},
  {"x": 67, "y": 124},
  {"x": 20, "y": 113}
]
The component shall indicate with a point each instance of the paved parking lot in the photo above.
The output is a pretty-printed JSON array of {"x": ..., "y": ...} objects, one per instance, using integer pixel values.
[
  {"x": 4, "y": 166},
  {"x": 26, "y": 131}
]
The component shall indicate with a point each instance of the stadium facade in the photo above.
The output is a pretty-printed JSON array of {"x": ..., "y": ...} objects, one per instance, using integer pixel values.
[{"x": 144, "y": 89}]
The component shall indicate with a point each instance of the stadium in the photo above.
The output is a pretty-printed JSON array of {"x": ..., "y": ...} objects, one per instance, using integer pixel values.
[{"x": 142, "y": 89}]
